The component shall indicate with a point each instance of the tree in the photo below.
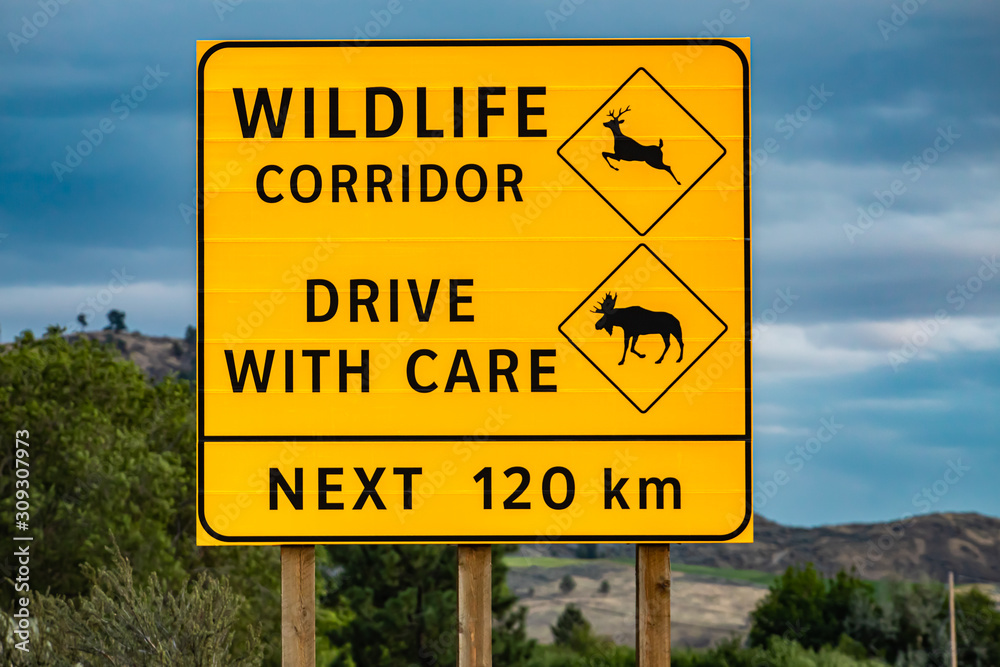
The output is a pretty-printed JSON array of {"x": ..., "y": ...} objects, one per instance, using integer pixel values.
[
  {"x": 116, "y": 321},
  {"x": 82, "y": 320},
  {"x": 397, "y": 605},
  {"x": 567, "y": 584},
  {"x": 572, "y": 629},
  {"x": 190, "y": 335},
  {"x": 906, "y": 626},
  {"x": 586, "y": 551},
  {"x": 113, "y": 454},
  {"x": 605, "y": 588}
]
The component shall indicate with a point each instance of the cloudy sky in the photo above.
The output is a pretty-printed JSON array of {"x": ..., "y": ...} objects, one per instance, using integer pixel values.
[{"x": 877, "y": 383}]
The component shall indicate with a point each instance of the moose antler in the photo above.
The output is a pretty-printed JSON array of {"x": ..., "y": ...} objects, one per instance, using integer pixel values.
[{"x": 607, "y": 304}]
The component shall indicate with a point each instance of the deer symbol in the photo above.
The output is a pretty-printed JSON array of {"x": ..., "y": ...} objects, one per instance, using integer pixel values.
[
  {"x": 636, "y": 321},
  {"x": 630, "y": 150}
]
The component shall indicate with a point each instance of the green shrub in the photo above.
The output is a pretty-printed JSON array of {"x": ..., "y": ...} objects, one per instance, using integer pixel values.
[{"x": 119, "y": 623}]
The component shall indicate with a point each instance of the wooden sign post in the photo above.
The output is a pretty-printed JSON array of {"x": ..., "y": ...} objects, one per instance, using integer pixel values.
[
  {"x": 652, "y": 605},
  {"x": 298, "y": 606},
  {"x": 475, "y": 606}
]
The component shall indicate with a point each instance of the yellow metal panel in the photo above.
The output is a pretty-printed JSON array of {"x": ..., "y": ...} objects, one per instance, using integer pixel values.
[{"x": 435, "y": 259}]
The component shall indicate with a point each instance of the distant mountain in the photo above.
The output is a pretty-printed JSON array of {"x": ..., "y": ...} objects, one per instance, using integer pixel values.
[
  {"x": 922, "y": 546},
  {"x": 925, "y": 546},
  {"x": 159, "y": 356}
]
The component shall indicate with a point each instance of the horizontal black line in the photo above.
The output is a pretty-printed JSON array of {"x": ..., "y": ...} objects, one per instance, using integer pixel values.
[
  {"x": 462, "y": 438},
  {"x": 474, "y": 539}
]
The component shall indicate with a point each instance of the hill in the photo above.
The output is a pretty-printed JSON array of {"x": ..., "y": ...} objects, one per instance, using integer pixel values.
[{"x": 926, "y": 546}]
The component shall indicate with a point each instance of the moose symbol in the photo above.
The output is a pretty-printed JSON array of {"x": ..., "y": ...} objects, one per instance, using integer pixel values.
[
  {"x": 630, "y": 150},
  {"x": 636, "y": 321}
]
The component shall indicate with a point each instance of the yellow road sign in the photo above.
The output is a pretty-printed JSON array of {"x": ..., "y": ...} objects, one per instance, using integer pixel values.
[{"x": 478, "y": 291}]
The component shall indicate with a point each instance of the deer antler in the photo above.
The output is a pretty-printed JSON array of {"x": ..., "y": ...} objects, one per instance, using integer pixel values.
[{"x": 622, "y": 113}]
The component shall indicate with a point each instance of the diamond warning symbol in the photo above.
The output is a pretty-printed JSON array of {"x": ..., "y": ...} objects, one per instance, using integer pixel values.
[
  {"x": 656, "y": 151},
  {"x": 643, "y": 335}
]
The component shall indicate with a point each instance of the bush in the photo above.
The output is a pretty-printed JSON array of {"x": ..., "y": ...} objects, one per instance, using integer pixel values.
[
  {"x": 121, "y": 624},
  {"x": 604, "y": 588},
  {"x": 567, "y": 584},
  {"x": 779, "y": 652}
]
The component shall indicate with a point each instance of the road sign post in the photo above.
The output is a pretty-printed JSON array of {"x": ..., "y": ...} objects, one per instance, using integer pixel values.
[
  {"x": 298, "y": 606},
  {"x": 652, "y": 605},
  {"x": 475, "y": 605}
]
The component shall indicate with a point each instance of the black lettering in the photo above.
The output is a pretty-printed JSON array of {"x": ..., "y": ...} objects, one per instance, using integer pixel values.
[
  {"x": 368, "y": 302},
  {"x": 442, "y": 182},
  {"x": 613, "y": 492},
  {"x": 512, "y": 502},
  {"x": 260, "y": 184},
  {"x": 382, "y": 184},
  {"x": 411, "y": 371},
  {"x": 276, "y": 479},
  {"x": 371, "y": 94},
  {"x": 369, "y": 490},
  {"x": 458, "y": 100},
  {"x": 311, "y": 314},
  {"x": 393, "y": 300},
  {"x": 407, "y": 474},
  {"x": 352, "y": 177},
  {"x": 310, "y": 111},
  {"x": 523, "y": 111},
  {"x": 361, "y": 370},
  {"x": 423, "y": 312},
  {"x": 508, "y": 372},
  {"x": 503, "y": 183},
  {"x": 289, "y": 371},
  {"x": 547, "y": 488},
  {"x": 461, "y": 358},
  {"x": 485, "y": 110},
  {"x": 316, "y": 356},
  {"x": 659, "y": 484},
  {"x": 486, "y": 477},
  {"x": 317, "y": 183},
  {"x": 335, "y": 130},
  {"x": 537, "y": 370},
  {"x": 249, "y": 361},
  {"x": 422, "y": 130},
  {"x": 456, "y": 299},
  {"x": 460, "y": 182},
  {"x": 325, "y": 488},
  {"x": 262, "y": 101}
]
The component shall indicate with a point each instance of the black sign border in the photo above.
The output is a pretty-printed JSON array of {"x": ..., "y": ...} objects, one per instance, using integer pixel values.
[
  {"x": 641, "y": 246},
  {"x": 467, "y": 539},
  {"x": 601, "y": 194}
]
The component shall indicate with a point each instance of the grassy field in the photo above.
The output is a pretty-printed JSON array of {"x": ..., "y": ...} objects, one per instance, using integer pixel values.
[{"x": 728, "y": 574}]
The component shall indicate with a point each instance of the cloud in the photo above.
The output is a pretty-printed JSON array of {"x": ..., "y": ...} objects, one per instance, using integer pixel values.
[
  {"x": 786, "y": 351},
  {"x": 151, "y": 307}
]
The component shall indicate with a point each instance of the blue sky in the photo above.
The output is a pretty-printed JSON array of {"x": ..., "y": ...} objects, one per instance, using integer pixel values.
[{"x": 879, "y": 378}]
